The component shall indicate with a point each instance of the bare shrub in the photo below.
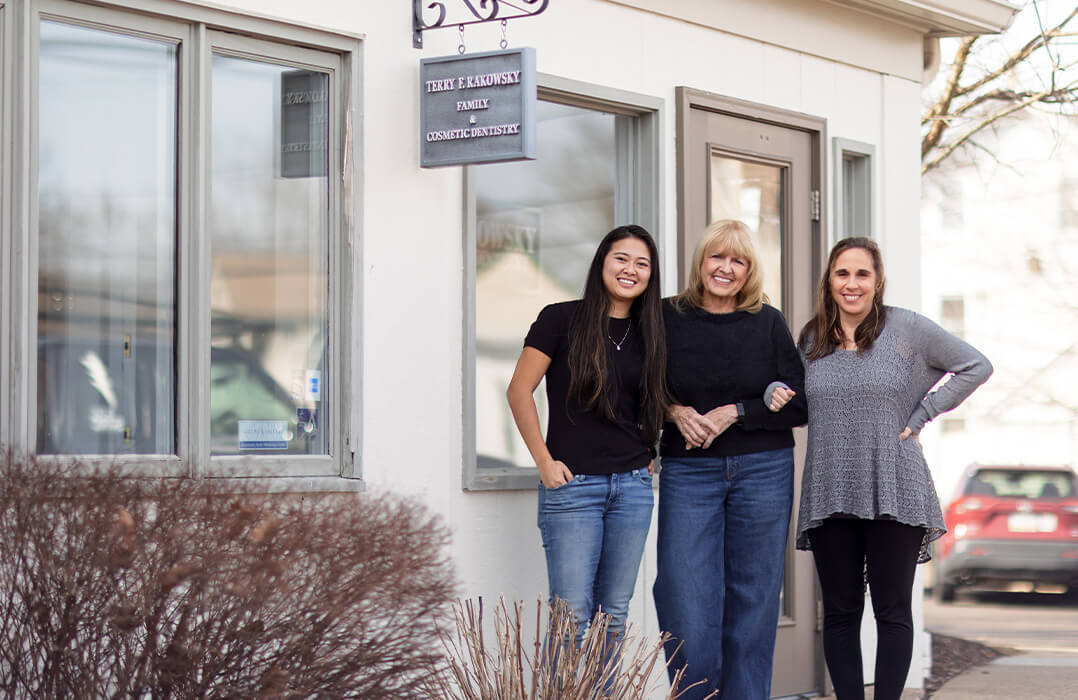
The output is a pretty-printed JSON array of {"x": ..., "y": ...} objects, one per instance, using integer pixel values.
[
  {"x": 115, "y": 586},
  {"x": 546, "y": 667}
]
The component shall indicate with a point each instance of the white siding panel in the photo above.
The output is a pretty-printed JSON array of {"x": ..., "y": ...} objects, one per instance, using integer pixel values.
[
  {"x": 783, "y": 78},
  {"x": 900, "y": 190}
]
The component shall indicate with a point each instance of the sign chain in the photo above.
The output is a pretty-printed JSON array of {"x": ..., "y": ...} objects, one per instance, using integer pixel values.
[
  {"x": 504, "y": 43},
  {"x": 460, "y": 47}
]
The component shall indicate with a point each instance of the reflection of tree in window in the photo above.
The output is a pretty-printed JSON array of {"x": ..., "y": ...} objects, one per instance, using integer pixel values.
[
  {"x": 106, "y": 240},
  {"x": 537, "y": 225},
  {"x": 269, "y": 224}
]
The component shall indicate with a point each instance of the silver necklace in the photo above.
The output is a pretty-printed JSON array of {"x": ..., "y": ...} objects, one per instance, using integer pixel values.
[{"x": 619, "y": 343}]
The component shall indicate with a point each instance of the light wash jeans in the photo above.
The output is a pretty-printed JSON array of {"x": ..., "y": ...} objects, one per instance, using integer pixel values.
[
  {"x": 593, "y": 529},
  {"x": 721, "y": 545}
]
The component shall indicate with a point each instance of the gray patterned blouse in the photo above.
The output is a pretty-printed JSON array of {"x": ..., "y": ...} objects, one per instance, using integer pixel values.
[{"x": 859, "y": 403}]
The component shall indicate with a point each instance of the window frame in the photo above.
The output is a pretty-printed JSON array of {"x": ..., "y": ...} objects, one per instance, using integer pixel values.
[
  {"x": 225, "y": 44},
  {"x": 864, "y": 154},
  {"x": 198, "y": 32},
  {"x": 637, "y": 199},
  {"x": 6, "y": 232}
]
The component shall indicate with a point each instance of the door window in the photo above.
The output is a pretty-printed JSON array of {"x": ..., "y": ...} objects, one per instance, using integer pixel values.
[{"x": 752, "y": 192}]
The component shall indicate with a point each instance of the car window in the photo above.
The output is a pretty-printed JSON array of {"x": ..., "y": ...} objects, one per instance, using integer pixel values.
[{"x": 1021, "y": 483}]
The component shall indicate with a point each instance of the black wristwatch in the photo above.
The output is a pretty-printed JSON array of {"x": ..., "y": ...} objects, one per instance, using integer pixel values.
[{"x": 740, "y": 413}]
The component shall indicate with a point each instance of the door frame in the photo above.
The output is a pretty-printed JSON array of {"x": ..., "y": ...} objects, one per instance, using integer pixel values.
[{"x": 689, "y": 99}]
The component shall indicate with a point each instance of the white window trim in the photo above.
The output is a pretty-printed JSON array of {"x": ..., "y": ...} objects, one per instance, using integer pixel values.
[
  {"x": 866, "y": 152},
  {"x": 194, "y": 26},
  {"x": 643, "y": 206}
]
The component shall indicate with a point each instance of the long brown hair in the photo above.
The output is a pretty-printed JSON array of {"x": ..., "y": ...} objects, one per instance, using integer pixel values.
[
  {"x": 823, "y": 333},
  {"x": 588, "y": 338},
  {"x": 732, "y": 237}
]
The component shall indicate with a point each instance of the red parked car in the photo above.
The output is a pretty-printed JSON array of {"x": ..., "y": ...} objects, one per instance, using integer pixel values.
[{"x": 1007, "y": 524}]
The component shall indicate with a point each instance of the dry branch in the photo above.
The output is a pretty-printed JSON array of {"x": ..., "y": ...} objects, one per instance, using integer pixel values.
[
  {"x": 551, "y": 666},
  {"x": 981, "y": 90}
]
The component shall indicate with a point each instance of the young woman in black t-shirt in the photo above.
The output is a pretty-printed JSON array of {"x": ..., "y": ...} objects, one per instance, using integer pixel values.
[{"x": 604, "y": 359}]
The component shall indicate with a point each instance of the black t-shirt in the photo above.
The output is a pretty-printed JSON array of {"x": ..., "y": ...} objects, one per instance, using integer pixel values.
[
  {"x": 587, "y": 441},
  {"x": 718, "y": 359}
]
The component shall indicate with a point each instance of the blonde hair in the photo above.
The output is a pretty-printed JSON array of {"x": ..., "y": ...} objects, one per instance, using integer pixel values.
[{"x": 733, "y": 238}]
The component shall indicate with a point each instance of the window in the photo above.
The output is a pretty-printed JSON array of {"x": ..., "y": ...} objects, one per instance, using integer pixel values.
[
  {"x": 853, "y": 163},
  {"x": 954, "y": 425},
  {"x": 184, "y": 230},
  {"x": 1068, "y": 209},
  {"x": 532, "y": 228},
  {"x": 953, "y": 315}
]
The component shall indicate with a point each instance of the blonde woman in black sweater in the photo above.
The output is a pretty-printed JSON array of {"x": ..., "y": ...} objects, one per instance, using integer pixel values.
[{"x": 726, "y": 488}]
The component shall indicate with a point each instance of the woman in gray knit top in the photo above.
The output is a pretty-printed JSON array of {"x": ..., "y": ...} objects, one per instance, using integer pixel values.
[{"x": 868, "y": 504}]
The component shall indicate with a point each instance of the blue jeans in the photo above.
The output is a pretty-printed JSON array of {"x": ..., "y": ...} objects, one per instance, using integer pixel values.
[
  {"x": 594, "y": 528},
  {"x": 723, "y": 523}
]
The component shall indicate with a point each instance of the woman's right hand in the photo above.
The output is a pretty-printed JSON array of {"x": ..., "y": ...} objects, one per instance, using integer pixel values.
[
  {"x": 694, "y": 427},
  {"x": 554, "y": 473},
  {"x": 780, "y": 397}
]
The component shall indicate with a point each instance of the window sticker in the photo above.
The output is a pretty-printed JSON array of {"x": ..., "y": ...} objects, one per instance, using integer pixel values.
[
  {"x": 263, "y": 434},
  {"x": 312, "y": 385},
  {"x": 307, "y": 419}
]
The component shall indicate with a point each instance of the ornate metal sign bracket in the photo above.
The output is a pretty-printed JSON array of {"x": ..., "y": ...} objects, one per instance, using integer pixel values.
[{"x": 473, "y": 12}]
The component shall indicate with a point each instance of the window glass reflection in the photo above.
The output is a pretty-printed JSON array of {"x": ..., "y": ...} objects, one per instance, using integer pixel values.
[
  {"x": 269, "y": 226},
  {"x": 752, "y": 193},
  {"x": 537, "y": 225},
  {"x": 106, "y": 242}
]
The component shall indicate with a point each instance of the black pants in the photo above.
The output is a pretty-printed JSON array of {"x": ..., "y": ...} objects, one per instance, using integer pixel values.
[{"x": 845, "y": 549}]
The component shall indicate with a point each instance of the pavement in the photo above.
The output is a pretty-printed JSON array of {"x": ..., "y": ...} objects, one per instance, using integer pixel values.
[
  {"x": 1008, "y": 678},
  {"x": 1019, "y": 676}
]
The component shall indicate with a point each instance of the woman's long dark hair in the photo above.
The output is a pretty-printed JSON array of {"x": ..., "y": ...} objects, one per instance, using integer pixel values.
[
  {"x": 823, "y": 333},
  {"x": 588, "y": 339}
]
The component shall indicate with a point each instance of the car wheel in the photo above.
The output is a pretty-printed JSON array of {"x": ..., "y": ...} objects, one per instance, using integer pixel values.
[{"x": 945, "y": 592}]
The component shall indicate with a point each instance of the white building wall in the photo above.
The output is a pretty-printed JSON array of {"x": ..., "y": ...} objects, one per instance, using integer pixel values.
[
  {"x": 996, "y": 236},
  {"x": 408, "y": 376}
]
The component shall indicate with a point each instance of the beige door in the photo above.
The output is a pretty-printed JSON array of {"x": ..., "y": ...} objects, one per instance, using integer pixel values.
[{"x": 762, "y": 166}]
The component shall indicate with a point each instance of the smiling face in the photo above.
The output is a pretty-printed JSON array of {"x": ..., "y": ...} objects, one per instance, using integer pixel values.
[
  {"x": 722, "y": 275},
  {"x": 853, "y": 284},
  {"x": 626, "y": 271}
]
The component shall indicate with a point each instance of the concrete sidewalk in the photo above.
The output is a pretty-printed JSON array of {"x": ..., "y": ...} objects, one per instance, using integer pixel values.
[
  {"x": 1018, "y": 677},
  {"x": 1013, "y": 677}
]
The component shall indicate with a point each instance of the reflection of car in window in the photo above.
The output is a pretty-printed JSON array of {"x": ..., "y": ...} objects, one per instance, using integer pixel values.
[
  {"x": 1010, "y": 524},
  {"x": 240, "y": 389},
  {"x": 94, "y": 400}
]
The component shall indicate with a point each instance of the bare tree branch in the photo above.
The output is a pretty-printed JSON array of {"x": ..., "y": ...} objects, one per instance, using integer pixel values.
[
  {"x": 943, "y": 104},
  {"x": 999, "y": 87},
  {"x": 1042, "y": 40},
  {"x": 979, "y": 126}
]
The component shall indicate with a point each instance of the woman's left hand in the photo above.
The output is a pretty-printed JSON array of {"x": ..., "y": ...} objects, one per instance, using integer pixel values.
[
  {"x": 723, "y": 417},
  {"x": 909, "y": 433}
]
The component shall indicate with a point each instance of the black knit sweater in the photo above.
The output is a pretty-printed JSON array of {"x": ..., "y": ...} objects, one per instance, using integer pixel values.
[{"x": 717, "y": 359}]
